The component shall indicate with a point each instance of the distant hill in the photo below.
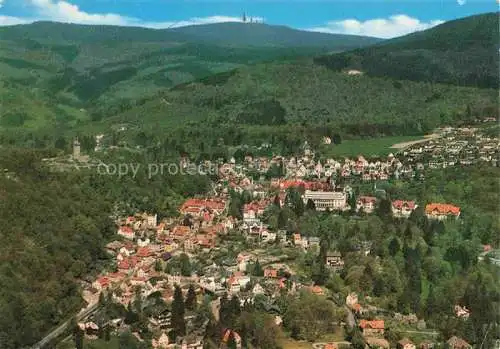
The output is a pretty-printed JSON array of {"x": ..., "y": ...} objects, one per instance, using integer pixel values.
[
  {"x": 459, "y": 52},
  {"x": 235, "y": 33},
  {"x": 80, "y": 66},
  {"x": 263, "y": 35}
]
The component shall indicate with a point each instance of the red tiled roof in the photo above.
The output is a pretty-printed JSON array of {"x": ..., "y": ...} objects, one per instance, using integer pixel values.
[
  {"x": 144, "y": 252},
  {"x": 367, "y": 199},
  {"x": 442, "y": 209},
  {"x": 125, "y": 229},
  {"x": 270, "y": 272},
  {"x": 399, "y": 204},
  {"x": 214, "y": 204},
  {"x": 116, "y": 276},
  {"x": 373, "y": 324},
  {"x": 316, "y": 290},
  {"x": 181, "y": 230},
  {"x": 124, "y": 264},
  {"x": 103, "y": 281}
]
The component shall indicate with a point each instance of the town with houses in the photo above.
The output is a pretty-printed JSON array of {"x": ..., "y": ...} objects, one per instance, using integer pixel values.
[{"x": 145, "y": 244}]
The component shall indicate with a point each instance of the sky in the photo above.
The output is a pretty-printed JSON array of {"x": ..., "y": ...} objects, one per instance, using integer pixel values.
[{"x": 379, "y": 18}]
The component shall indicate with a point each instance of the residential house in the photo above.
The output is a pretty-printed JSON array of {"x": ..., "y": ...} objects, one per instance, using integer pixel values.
[
  {"x": 127, "y": 232},
  {"x": 190, "y": 244},
  {"x": 403, "y": 209},
  {"x": 316, "y": 290},
  {"x": 305, "y": 243},
  {"x": 351, "y": 299},
  {"x": 462, "y": 312},
  {"x": 441, "y": 211},
  {"x": 143, "y": 242},
  {"x": 270, "y": 273},
  {"x": 114, "y": 247},
  {"x": 372, "y": 327},
  {"x": 427, "y": 344},
  {"x": 297, "y": 239},
  {"x": 101, "y": 283},
  {"x": 375, "y": 342},
  {"x": 144, "y": 252},
  {"x": 335, "y": 261},
  {"x": 192, "y": 342},
  {"x": 330, "y": 346},
  {"x": 160, "y": 343},
  {"x": 367, "y": 203},
  {"x": 405, "y": 343},
  {"x": 180, "y": 231},
  {"x": 226, "y": 339},
  {"x": 150, "y": 220},
  {"x": 313, "y": 241},
  {"x": 258, "y": 289},
  {"x": 268, "y": 236},
  {"x": 458, "y": 343}
]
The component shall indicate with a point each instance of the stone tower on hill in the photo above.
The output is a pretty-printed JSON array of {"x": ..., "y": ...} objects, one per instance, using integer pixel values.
[{"x": 76, "y": 149}]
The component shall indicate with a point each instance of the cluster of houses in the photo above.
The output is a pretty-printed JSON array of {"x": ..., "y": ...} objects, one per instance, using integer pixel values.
[
  {"x": 452, "y": 147},
  {"x": 373, "y": 330},
  {"x": 146, "y": 242},
  {"x": 456, "y": 147}
]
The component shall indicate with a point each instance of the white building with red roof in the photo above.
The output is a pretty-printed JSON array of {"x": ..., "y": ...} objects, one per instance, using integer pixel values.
[
  {"x": 403, "y": 209},
  {"x": 127, "y": 232}
]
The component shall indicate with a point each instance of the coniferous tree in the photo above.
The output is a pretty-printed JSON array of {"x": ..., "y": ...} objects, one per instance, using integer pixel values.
[
  {"x": 78, "y": 334},
  {"x": 107, "y": 333},
  {"x": 277, "y": 201},
  {"x": 178, "y": 322},
  {"x": 282, "y": 219},
  {"x": 191, "y": 298},
  {"x": 310, "y": 206},
  {"x": 257, "y": 269},
  {"x": 352, "y": 203}
]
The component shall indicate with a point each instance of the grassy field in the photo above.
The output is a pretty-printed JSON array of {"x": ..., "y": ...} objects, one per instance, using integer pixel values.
[
  {"x": 288, "y": 343},
  {"x": 366, "y": 147}
]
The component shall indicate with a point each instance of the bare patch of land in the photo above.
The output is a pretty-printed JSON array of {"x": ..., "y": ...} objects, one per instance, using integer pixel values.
[{"x": 404, "y": 145}]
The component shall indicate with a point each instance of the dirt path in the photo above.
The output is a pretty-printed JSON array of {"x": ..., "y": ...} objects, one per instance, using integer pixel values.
[{"x": 404, "y": 145}]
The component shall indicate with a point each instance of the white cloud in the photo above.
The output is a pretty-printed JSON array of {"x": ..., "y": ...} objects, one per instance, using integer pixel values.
[
  {"x": 380, "y": 27},
  {"x": 64, "y": 11},
  {"x": 1, "y": 3},
  {"x": 9, "y": 20}
]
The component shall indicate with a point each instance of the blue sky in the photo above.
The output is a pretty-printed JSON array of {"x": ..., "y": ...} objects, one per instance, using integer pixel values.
[{"x": 382, "y": 18}]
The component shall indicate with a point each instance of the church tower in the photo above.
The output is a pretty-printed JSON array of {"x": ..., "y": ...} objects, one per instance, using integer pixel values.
[{"x": 76, "y": 149}]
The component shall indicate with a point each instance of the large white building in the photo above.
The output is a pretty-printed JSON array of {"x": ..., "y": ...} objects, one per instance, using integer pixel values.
[{"x": 323, "y": 200}]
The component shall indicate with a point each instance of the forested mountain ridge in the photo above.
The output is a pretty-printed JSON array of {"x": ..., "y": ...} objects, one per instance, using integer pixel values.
[
  {"x": 63, "y": 69},
  {"x": 459, "y": 52},
  {"x": 300, "y": 99},
  {"x": 259, "y": 35}
]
